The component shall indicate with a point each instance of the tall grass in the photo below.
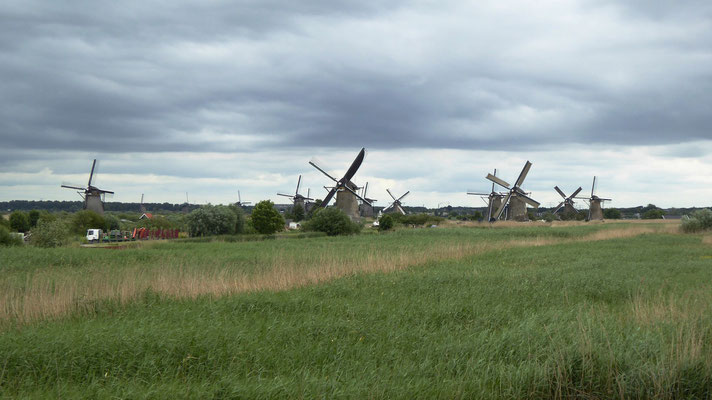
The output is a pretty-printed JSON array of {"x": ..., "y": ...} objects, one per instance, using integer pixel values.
[
  {"x": 574, "y": 318},
  {"x": 77, "y": 280}
]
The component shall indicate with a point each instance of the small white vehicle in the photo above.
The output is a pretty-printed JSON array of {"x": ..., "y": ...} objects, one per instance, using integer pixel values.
[{"x": 93, "y": 235}]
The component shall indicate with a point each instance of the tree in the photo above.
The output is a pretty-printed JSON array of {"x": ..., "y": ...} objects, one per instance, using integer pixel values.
[
  {"x": 211, "y": 220},
  {"x": 240, "y": 218},
  {"x": 653, "y": 214},
  {"x": 50, "y": 234},
  {"x": 19, "y": 221},
  {"x": 331, "y": 221},
  {"x": 86, "y": 219},
  {"x": 385, "y": 223},
  {"x": 612, "y": 213},
  {"x": 266, "y": 219},
  {"x": 297, "y": 212},
  {"x": 34, "y": 217}
]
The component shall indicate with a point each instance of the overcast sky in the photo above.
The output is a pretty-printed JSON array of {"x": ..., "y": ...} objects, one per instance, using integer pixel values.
[{"x": 214, "y": 96}]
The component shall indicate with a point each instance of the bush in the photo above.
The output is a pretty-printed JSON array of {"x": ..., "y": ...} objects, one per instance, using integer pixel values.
[
  {"x": 266, "y": 219},
  {"x": 211, "y": 220},
  {"x": 549, "y": 216},
  {"x": 19, "y": 221},
  {"x": 50, "y": 234},
  {"x": 612, "y": 213},
  {"x": 34, "y": 216},
  {"x": 5, "y": 222},
  {"x": 331, "y": 221},
  {"x": 86, "y": 219},
  {"x": 385, "y": 223},
  {"x": 701, "y": 220},
  {"x": 240, "y": 219},
  {"x": 653, "y": 214},
  {"x": 111, "y": 223},
  {"x": 9, "y": 239}
]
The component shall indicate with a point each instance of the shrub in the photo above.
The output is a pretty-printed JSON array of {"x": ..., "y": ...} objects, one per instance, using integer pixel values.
[
  {"x": 50, "y": 234},
  {"x": 86, "y": 219},
  {"x": 653, "y": 214},
  {"x": 266, "y": 219},
  {"x": 385, "y": 223},
  {"x": 211, "y": 220},
  {"x": 701, "y": 220},
  {"x": 331, "y": 221},
  {"x": 612, "y": 213},
  {"x": 240, "y": 218},
  {"x": 34, "y": 216},
  {"x": 548, "y": 216},
  {"x": 7, "y": 238},
  {"x": 111, "y": 223},
  {"x": 19, "y": 221}
]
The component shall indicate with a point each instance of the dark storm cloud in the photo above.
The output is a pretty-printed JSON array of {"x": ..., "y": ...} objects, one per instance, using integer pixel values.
[{"x": 259, "y": 75}]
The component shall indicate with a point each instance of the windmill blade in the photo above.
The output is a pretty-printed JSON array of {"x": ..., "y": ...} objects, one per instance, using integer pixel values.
[
  {"x": 299, "y": 181},
  {"x": 559, "y": 207},
  {"x": 354, "y": 166},
  {"x": 478, "y": 194},
  {"x": 73, "y": 187},
  {"x": 245, "y": 203},
  {"x": 602, "y": 199},
  {"x": 309, "y": 193},
  {"x": 523, "y": 174},
  {"x": 239, "y": 198},
  {"x": 500, "y": 210},
  {"x": 593, "y": 186},
  {"x": 576, "y": 192},
  {"x": 91, "y": 174},
  {"x": 529, "y": 200},
  {"x": 313, "y": 164},
  {"x": 357, "y": 195},
  {"x": 399, "y": 208},
  {"x": 559, "y": 191},
  {"x": 105, "y": 191},
  {"x": 498, "y": 181},
  {"x": 404, "y": 194},
  {"x": 365, "y": 189},
  {"x": 391, "y": 194},
  {"x": 328, "y": 197},
  {"x": 141, "y": 198},
  {"x": 285, "y": 195},
  {"x": 388, "y": 207}
]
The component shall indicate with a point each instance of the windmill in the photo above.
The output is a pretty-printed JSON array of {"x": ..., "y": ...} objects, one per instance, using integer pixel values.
[
  {"x": 344, "y": 189},
  {"x": 366, "y": 208},
  {"x": 241, "y": 203},
  {"x": 594, "y": 203},
  {"x": 568, "y": 203},
  {"x": 141, "y": 207},
  {"x": 515, "y": 198},
  {"x": 297, "y": 198},
  {"x": 494, "y": 199},
  {"x": 396, "y": 204},
  {"x": 93, "y": 196}
]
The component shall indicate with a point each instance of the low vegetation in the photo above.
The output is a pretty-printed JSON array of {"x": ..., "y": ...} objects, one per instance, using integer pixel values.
[
  {"x": 561, "y": 311},
  {"x": 699, "y": 221},
  {"x": 331, "y": 221}
]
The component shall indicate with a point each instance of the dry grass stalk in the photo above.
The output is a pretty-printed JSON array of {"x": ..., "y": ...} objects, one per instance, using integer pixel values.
[{"x": 49, "y": 295}]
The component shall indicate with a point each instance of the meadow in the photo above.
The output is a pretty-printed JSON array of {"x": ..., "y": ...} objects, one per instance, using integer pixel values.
[{"x": 520, "y": 311}]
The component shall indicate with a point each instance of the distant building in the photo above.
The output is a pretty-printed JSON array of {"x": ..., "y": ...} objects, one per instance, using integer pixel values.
[{"x": 146, "y": 216}]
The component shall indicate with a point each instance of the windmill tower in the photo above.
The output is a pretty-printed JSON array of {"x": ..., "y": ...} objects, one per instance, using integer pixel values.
[
  {"x": 297, "y": 198},
  {"x": 241, "y": 203},
  {"x": 494, "y": 199},
  {"x": 568, "y": 204},
  {"x": 595, "y": 211},
  {"x": 141, "y": 207},
  {"x": 366, "y": 209},
  {"x": 344, "y": 189},
  {"x": 515, "y": 198},
  {"x": 396, "y": 204},
  {"x": 93, "y": 196}
]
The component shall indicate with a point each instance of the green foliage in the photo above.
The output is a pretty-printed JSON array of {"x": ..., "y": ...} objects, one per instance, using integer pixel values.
[
  {"x": 314, "y": 208},
  {"x": 239, "y": 219},
  {"x": 700, "y": 220},
  {"x": 156, "y": 222},
  {"x": 34, "y": 216},
  {"x": 416, "y": 219},
  {"x": 5, "y": 222},
  {"x": 20, "y": 222},
  {"x": 111, "y": 223},
  {"x": 86, "y": 219},
  {"x": 211, "y": 220},
  {"x": 266, "y": 219},
  {"x": 612, "y": 213},
  {"x": 8, "y": 238},
  {"x": 549, "y": 216},
  {"x": 655, "y": 213},
  {"x": 47, "y": 217},
  {"x": 385, "y": 223},
  {"x": 297, "y": 213},
  {"x": 50, "y": 234},
  {"x": 332, "y": 221}
]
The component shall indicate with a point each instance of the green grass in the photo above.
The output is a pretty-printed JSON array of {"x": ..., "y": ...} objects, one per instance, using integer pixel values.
[{"x": 615, "y": 318}]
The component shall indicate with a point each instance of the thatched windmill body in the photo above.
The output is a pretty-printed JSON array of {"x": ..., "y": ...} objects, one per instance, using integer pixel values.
[
  {"x": 93, "y": 196},
  {"x": 595, "y": 209},
  {"x": 366, "y": 207},
  {"x": 494, "y": 199},
  {"x": 344, "y": 190},
  {"x": 516, "y": 199},
  {"x": 297, "y": 198},
  {"x": 568, "y": 203},
  {"x": 397, "y": 204}
]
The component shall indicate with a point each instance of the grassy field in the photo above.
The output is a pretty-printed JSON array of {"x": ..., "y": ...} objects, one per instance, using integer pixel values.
[{"x": 589, "y": 311}]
